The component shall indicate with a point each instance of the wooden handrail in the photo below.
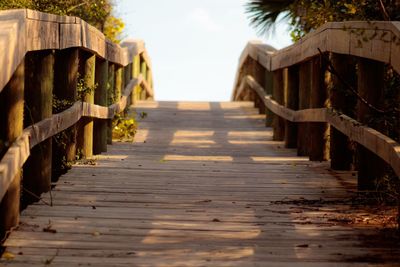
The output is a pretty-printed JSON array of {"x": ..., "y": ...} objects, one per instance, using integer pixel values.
[
  {"x": 381, "y": 145},
  {"x": 290, "y": 83},
  {"x": 24, "y": 30},
  {"x": 376, "y": 40},
  {"x": 19, "y": 152},
  {"x": 54, "y": 45}
]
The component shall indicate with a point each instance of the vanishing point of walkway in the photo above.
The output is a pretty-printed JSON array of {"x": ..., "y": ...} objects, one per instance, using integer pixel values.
[{"x": 203, "y": 185}]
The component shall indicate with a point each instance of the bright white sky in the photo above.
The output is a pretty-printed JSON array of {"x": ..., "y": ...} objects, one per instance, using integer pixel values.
[{"x": 194, "y": 45}]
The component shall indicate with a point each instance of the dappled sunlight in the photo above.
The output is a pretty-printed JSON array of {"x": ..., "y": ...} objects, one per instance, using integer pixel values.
[
  {"x": 193, "y": 133},
  {"x": 197, "y": 158},
  {"x": 148, "y": 104},
  {"x": 189, "y": 141},
  {"x": 242, "y": 134},
  {"x": 141, "y": 135},
  {"x": 223, "y": 253},
  {"x": 117, "y": 157},
  {"x": 277, "y": 159},
  {"x": 244, "y": 117},
  {"x": 194, "y": 106},
  {"x": 251, "y": 142},
  {"x": 235, "y": 105}
]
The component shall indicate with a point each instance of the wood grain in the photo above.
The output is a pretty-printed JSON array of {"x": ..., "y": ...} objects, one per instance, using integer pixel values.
[{"x": 211, "y": 189}]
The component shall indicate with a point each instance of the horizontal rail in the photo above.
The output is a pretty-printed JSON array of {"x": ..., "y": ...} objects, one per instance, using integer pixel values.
[
  {"x": 25, "y": 30},
  {"x": 19, "y": 151},
  {"x": 378, "y": 143},
  {"x": 376, "y": 40}
]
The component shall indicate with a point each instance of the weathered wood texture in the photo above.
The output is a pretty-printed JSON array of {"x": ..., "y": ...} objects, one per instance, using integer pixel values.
[
  {"x": 27, "y": 30},
  {"x": 39, "y": 84},
  {"x": 12, "y": 117},
  {"x": 381, "y": 145},
  {"x": 101, "y": 99},
  {"x": 210, "y": 189}
]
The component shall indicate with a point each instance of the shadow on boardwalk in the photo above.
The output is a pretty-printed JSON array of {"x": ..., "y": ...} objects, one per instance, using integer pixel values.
[{"x": 203, "y": 185}]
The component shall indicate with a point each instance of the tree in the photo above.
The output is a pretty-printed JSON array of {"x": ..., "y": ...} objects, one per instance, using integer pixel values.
[
  {"x": 307, "y": 15},
  {"x": 96, "y": 12}
]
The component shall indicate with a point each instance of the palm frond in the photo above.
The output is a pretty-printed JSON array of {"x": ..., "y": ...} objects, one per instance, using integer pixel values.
[{"x": 263, "y": 14}]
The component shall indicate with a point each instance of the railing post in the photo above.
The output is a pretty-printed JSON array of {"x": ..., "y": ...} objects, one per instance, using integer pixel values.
[
  {"x": 292, "y": 102},
  {"x": 127, "y": 79},
  {"x": 268, "y": 86},
  {"x": 319, "y": 149},
  {"x": 149, "y": 80},
  {"x": 340, "y": 147},
  {"x": 278, "y": 94},
  {"x": 303, "y": 138},
  {"x": 12, "y": 117},
  {"x": 143, "y": 71},
  {"x": 111, "y": 99},
  {"x": 136, "y": 72},
  {"x": 258, "y": 73},
  {"x": 100, "y": 98},
  {"x": 39, "y": 83},
  {"x": 370, "y": 87},
  {"x": 85, "y": 136},
  {"x": 118, "y": 82},
  {"x": 65, "y": 89}
]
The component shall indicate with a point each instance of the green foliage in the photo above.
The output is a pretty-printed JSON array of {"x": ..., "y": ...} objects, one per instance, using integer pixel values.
[
  {"x": 96, "y": 12},
  {"x": 124, "y": 128},
  {"x": 307, "y": 15},
  {"x": 83, "y": 89}
]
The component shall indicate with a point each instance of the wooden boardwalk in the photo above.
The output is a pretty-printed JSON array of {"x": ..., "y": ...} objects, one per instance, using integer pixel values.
[{"x": 203, "y": 185}]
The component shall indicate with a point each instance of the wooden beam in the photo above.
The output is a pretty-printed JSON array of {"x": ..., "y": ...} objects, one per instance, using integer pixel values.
[
  {"x": 12, "y": 117},
  {"x": 303, "y": 138},
  {"x": 39, "y": 83},
  {"x": 319, "y": 148},
  {"x": 65, "y": 89},
  {"x": 371, "y": 75},
  {"x": 85, "y": 133},
  {"x": 278, "y": 96},
  {"x": 100, "y": 98},
  {"x": 111, "y": 99},
  {"x": 341, "y": 151},
  {"x": 292, "y": 102}
]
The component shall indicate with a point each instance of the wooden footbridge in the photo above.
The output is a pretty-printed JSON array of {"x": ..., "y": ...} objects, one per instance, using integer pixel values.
[{"x": 265, "y": 180}]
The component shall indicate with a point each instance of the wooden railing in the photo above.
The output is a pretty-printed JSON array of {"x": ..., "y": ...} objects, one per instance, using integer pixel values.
[
  {"x": 305, "y": 89},
  {"x": 51, "y": 60}
]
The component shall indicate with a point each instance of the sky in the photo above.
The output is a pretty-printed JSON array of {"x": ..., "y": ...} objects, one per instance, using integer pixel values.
[{"x": 194, "y": 46}]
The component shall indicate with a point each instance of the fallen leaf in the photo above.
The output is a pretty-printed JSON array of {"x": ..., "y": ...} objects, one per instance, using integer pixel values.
[
  {"x": 216, "y": 220},
  {"x": 95, "y": 233},
  {"x": 8, "y": 256}
]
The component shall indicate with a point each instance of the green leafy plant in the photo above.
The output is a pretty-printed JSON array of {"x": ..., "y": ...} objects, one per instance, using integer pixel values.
[{"x": 124, "y": 128}]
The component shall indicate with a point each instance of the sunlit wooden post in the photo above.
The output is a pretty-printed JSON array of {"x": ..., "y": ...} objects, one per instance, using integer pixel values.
[
  {"x": 370, "y": 87},
  {"x": 150, "y": 82},
  {"x": 127, "y": 79},
  {"x": 136, "y": 73},
  {"x": 319, "y": 149},
  {"x": 303, "y": 138},
  {"x": 292, "y": 102},
  {"x": 100, "y": 98},
  {"x": 39, "y": 83},
  {"x": 143, "y": 71},
  {"x": 85, "y": 137},
  {"x": 118, "y": 82},
  {"x": 11, "y": 127},
  {"x": 65, "y": 88},
  {"x": 341, "y": 152},
  {"x": 278, "y": 94},
  {"x": 258, "y": 73},
  {"x": 110, "y": 98},
  {"x": 268, "y": 85}
]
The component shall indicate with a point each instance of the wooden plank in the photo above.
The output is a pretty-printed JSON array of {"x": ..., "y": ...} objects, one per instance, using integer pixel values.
[{"x": 239, "y": 212}]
